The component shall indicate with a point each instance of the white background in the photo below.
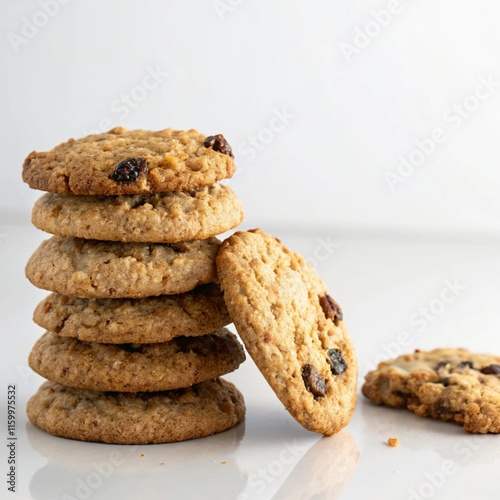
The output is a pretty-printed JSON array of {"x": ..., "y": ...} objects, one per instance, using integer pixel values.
[
  {"x": 347, "y": 108},
  {"x": 354, "y": 104}
]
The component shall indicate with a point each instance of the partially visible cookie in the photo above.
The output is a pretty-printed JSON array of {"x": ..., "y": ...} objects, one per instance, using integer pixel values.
[
  {"x": 182, "y": 362},
  {"x": 124, "y": 321},
  {"x": 105, "y": 269},
  {"x": 159, "y": 218},
  {"x": 291, "y": 327},
  {"x": 447, "y": 384},
  {"x": 137, "y": 418},
  {"x": 125, "y": 161}
]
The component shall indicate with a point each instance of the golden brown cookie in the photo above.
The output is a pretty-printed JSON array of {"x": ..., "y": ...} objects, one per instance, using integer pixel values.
[
  {"x": 125, "y": 161},
  {"x": 137, "y": 418},
  {"x": 151, "y": 218},
  {"x": 124, "y": 321},
  {"x": 182, "y": 362},
  {"x": 447, "y": 384},
  {"x": 291, "y": 327},
  {"x": 106, "y": 269}
]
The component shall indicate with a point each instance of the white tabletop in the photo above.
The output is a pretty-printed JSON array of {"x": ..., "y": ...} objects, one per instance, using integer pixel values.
[{"x": 398, "y": 293}]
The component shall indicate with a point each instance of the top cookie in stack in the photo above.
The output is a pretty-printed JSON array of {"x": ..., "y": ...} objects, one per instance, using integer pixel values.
[{"x": 134, "y": 216}]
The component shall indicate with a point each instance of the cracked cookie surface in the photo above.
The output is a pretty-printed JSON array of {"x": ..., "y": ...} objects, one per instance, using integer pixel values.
[
  {"x": 165, "y": 160},
  {"x": 106, "y": 269},
  {"x": 179, "y": 363},
  {"x": 146, "y": 320},
  {"x": 291, "y": 328},
  {"x": 151, "y": 218},
  {"x": 446, "y": 384},
  {"x": 137, "y": 418}
]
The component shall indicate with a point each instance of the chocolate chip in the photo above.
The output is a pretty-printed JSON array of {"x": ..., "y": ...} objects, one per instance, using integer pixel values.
[
  {"x": 465, "y": 364},
  {"x": 491, "y": 370},
  {"x": 313, "y": 382},
  {"x": 331, "y": 308},
  {"x": 218, "y": 143},
  {"x": 128, "y": 170},
  {"x": 338, "y": 363}
]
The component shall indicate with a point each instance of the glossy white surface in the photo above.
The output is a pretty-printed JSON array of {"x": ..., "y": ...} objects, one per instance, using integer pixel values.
[{"x": 381, "y": 281}]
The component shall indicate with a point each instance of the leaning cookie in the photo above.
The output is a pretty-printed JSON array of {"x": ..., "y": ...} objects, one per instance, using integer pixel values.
[
  {"x": 137, "y": 418},
  {"x": 179, "y": 363},
  {"x": 105, "y": 269},
  {"x": 152, "y": 218},
  {"x": 125, "y": 161},
  {"x": 140, "y": 321},
  {"x": 446, "y": 384},
  {"x": 291, "y": 327}
]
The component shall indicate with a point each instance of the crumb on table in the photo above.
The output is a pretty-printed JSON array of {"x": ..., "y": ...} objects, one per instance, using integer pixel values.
[{"x": 393, "y": 442}]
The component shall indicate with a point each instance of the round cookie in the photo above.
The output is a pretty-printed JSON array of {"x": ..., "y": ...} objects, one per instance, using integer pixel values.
[
  {"x": 137, "y": 418},
  {"x": 158, "y": 218},
  {"x": 446, "y": 384},
  {"x": 140, "y": 321},
  {"x": 106, "y": 269},
  {"x": 182, "y": 362},
  {"x": 125, "y": 161},
  {"x": 291, "y": 328}
]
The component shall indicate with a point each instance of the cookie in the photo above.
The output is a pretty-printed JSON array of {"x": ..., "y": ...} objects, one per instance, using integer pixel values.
[
  {"x": 137, "y": 418},
  {"x": 182, "y": 362},
  {"x": 125, "y": 161},
  {"x": 124, "y": 321},
  {"x": 158, "y": 218},
  {"x": 446, "y": 384},
  {"x": 105, "y": 269},
  {"x": 291, "y": 328}
]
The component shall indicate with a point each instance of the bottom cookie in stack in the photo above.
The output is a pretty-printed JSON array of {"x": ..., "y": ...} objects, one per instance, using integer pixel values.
[
  {"x": 155, "y": 391},
  {"x": 137, "y": 418}
]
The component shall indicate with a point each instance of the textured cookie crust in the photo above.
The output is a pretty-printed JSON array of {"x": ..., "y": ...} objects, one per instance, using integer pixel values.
[
  {"x": 447, "y": 384},
  {"x": 151, "y": 218},
  {"x": 137, "y": 418},
  {"x": 179, "y": 363},
  {"x": 275, "y": 299},
  {"x": 176, "y": 161},
  {"x": 105, "y": 269},
  {"x": 140, "y": 321}
]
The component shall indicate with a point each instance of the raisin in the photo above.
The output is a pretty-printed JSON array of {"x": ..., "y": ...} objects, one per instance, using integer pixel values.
[
  {"x": 445, "y": 381},
  {"x": 465, "y": 364},
  {"x": 441, "y": 364},
  {"x": 331, "y": 309},
  {"x": 444, "y": 410},
  {"x": 491, "y": 370},
  {"x": 338, "y": 363},
  {"x": 128, "y": 170},
  {"x": 313, "y": 382},
  {"x": 218, "y": 143}
]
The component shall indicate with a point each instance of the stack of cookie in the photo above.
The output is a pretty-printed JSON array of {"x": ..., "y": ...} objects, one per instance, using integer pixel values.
[{"x": 135, "y": 343}]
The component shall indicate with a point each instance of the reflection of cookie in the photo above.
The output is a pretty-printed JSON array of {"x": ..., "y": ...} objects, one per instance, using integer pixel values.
[
  {"x": 291, "y": 327},
  {"x": 137, "y": 418},
  {"x": 329, "y": 467},
  {"x": 448, "y": 384},
  {"x": 124, "y": 321},
  {"x": 179, "y": 363},
  {"x": 106, "y": 269},
  {"x": 160, "y": 218},
  {"x": 125, "y": 161}
]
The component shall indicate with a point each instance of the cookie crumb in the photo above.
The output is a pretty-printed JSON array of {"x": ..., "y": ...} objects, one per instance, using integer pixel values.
[
  {"x": 224, "y": 462},
  {"x": 142, "y": 454},
  {"x": 162, "y": 463},
  {"x": 393, "y": 442}
]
